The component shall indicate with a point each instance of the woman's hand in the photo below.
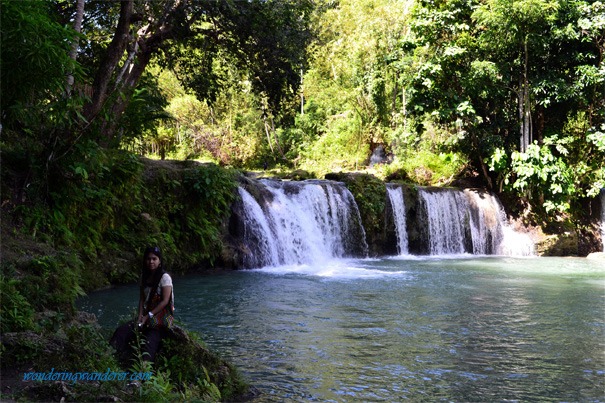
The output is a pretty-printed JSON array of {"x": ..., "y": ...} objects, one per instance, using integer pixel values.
[{"x": 142, "y": 320}]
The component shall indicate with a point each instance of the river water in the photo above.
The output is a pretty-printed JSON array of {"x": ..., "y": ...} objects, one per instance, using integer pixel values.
[{"x": 408, "y": 328}]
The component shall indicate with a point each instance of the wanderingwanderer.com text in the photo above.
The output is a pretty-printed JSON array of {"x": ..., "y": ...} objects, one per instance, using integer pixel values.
[{"x": 108, "y": 375}]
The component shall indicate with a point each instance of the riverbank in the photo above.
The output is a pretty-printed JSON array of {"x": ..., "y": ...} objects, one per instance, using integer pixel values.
[{"x": 72, "y": 360}]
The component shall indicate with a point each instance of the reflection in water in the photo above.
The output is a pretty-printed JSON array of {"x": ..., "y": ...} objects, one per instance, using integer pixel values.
[{"x": 487, "y": 329}]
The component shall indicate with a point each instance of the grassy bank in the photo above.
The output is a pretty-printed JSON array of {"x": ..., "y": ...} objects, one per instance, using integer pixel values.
[
  {"x": 82, "y": 229},
  {"x": 55, "y": 351}
]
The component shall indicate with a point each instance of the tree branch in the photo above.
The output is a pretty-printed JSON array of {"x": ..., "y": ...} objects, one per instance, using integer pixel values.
[{"x": 112, "y": 57}]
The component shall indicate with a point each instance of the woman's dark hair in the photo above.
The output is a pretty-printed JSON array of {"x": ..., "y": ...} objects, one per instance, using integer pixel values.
[{"x": 147, "y": 277}]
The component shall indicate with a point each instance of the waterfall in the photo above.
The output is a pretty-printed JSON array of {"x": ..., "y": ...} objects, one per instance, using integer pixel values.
[
  {"x": 445, "y": 217},
  {"x": 490, "y": 231},
  {"x": 291, "y": 222},
  {"x": 469, "y": 221},
  {"x": 395, "y": 194},
  {"x": 485, "y": 222},
  {"x": 257, "y": 231},
  {"x": 515, "y": 243},
  {"x": 301, "y": 222}
]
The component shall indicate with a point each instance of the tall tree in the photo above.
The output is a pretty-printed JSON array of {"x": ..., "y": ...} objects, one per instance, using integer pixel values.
[
  {"x": 73, "y": 54},
  {"x": 263, "y": 36},
  {"x": 519, "y": 29},
  {"x": 509, "y": 71}
]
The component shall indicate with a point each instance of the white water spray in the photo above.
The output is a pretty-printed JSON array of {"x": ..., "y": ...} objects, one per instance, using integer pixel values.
[
  {"x": 257, "y": 231},
  {"x": 470, "y": 221},
  {"x": 490, "y": 230},
  {"x": 485, "y": 222},
  {"x": 445, "y": 217},
  {"x": 395, "y": 194},
  {"x": 302, "y": 222}
]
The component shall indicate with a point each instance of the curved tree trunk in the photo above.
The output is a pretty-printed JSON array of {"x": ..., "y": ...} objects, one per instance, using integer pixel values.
[
  {"x": 125, "y": 61},
  {"x": 114, "y": 53}
]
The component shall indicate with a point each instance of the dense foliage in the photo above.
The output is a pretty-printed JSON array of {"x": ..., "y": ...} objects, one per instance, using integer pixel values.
[
  {"x": 510, "y": 93},
  {"x": 446, "y": 88},
  {"x": 83, "y": 86},
  {"x": 523, "y": 84}
]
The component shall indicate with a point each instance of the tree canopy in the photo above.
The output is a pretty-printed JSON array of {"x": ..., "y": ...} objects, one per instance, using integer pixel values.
[{"x": 511, "y": 92}]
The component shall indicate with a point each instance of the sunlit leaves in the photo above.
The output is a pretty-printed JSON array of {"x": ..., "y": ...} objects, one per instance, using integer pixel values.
[
  {"x": 597, "y": 137},
  {"x": 559, "y": 172}
]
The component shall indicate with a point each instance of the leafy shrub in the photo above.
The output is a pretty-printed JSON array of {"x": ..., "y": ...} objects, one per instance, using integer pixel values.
[
  {"x": 429, "y": 168},
  {"x": 557, "y": 174},
  {"x": 197, "y": 371},
  {"x": 52, "y": 282},
  {"x": 342, "y": 147},
  {"x": 16, "y": 313},
  {"x": 189, "y": 211}
]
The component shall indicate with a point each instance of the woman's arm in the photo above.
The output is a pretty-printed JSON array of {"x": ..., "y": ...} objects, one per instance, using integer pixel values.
[
  {"x": 141, "y": 303},
  {"x": 166, "y": 294}
]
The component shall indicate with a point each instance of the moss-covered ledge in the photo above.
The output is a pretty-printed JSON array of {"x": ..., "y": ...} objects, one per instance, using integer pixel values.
[
  {"x": 185, "y": 368},
  {"x": 369, "y": 193}
]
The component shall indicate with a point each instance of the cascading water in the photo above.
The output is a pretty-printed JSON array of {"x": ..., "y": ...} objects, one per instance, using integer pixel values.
[
  {"x": 283, "y": 223},
  {"x": 445, "y": 215},
  {"x": 395, "y": 194},
  {"x": 485, "y": 222},
  {"x": 257, "y": 231},
  {"x": 301, "y": 222},
  {"x": 490, "y": 231},
  {"x": 469, "y": 221}
]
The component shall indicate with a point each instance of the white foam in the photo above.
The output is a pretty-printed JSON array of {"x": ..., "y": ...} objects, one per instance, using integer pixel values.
[{"x": 347, "y": 269}]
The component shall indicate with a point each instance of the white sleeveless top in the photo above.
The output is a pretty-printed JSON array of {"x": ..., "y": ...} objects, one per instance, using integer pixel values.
[{"x": 165, "y": 281}]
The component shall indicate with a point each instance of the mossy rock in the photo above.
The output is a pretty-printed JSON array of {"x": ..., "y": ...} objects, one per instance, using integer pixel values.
[
  {"x": 183, "y": 367},
  {"x": 558, "y": 245},
  {"x": 370, "y": 195},
  {"x": 188, "y": 360},
  {"x": 298, "y": 175},
  {"x": 398, "y": 175}
]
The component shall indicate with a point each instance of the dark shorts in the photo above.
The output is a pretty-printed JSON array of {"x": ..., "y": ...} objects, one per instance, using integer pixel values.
[{"x": 125, "y": 336}]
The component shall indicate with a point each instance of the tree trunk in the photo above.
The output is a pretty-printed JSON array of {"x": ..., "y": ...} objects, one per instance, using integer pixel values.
[
  {"x": 302, "y": 94},
  {"x": 525, "y": 103},
  {"x": 73, "y": 54},
  {"x": 539, "y": 124},
  {"x": 268, "y": 134},
  {"x": 112, "y": 91},
  {"x": 126, "y": 89},
  {"x": 114, "y": 54},
  {"x": 484, "y": 170},
  {"x": 520, "y": 108},
  {"x": 281, "y": 152}
]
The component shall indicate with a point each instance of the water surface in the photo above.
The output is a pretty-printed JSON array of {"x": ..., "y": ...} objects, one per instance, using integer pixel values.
[{"x": 421, "y": 329}]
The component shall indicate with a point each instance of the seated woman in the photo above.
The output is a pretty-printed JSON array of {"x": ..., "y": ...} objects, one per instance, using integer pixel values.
[{"x": 156, "y": 307}]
